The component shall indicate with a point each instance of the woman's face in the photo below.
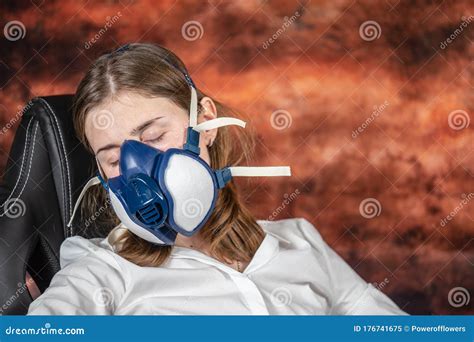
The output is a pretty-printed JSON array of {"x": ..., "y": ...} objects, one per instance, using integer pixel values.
[{"x": 157, "y": 122}]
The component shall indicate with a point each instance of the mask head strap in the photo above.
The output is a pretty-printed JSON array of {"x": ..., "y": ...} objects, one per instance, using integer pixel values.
[{"x": 192, "y": 136}]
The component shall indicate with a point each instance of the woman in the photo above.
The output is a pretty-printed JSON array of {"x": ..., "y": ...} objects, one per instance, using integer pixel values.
[{"x": 235, "y": 264}]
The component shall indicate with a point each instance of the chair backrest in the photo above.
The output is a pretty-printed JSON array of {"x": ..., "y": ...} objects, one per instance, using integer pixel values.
[{"x": 46, "y": 169}]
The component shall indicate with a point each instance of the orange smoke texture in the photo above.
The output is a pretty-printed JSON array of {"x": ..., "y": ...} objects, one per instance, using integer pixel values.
[{"x": 355, "y": 118}]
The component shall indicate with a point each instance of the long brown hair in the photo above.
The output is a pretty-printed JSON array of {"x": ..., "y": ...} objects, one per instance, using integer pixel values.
[{"x": 231, "y": 233}]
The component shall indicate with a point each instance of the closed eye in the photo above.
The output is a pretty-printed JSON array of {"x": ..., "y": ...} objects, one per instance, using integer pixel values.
[{"x": 156, "y": 140}]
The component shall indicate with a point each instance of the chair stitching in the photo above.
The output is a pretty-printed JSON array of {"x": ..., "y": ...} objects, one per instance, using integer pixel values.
[
  {"x": 66, "y": 159},
  {"x": 22, "y": 163},
  {"x": 29, "y": 169}
]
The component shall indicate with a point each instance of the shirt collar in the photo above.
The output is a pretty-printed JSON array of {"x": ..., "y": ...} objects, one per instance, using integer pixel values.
[
  {"x": 268, "y": 249},
  {"x": 110, "y": 241}
]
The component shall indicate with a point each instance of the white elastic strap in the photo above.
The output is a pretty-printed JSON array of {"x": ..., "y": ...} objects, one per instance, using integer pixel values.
[
  {"x": 260, "y": 171},
  {"x": 91, "y": 182},
  {"x": 219, "y": 122},
  {"x": 193, "y": 108}
]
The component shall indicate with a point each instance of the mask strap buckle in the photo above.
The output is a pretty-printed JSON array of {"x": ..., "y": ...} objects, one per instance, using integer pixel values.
[
  {"x": 100, "y": 175},
  {"x": 192, "y": 141},
  {"x": 102, "y": 181},
  {"x": 223, "y": 176}
]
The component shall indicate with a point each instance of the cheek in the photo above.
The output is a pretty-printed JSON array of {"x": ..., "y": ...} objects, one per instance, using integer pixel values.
[
  {"x": 179, "y": 132},
  {"x": 179, "y": 136},
  {"x": 112, "y": 172},
  {"x": 174, "y": 138}
]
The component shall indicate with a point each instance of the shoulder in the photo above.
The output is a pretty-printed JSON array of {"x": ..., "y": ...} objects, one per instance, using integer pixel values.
[
  {"x": 77, "y": 251},
  {"x": 90, "y": 281},
  {"x": 294, "y": 230}
]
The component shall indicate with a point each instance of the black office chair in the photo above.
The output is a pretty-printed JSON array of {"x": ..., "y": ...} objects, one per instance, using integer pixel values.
[{"x": 45, "y": 173}]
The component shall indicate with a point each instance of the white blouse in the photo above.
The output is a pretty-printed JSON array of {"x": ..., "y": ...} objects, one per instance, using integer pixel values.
[{"x": 293, "y": 272}]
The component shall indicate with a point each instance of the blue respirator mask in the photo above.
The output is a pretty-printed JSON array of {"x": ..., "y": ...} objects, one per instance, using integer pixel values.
[{"x": 159, "y": 194}]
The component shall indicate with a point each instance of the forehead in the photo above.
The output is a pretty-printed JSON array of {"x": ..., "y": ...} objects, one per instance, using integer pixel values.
[{"x": 112, "y": 120}]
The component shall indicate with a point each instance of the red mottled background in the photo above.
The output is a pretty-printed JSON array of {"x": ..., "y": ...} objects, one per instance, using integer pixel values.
[{"x": 308, "y": 75}]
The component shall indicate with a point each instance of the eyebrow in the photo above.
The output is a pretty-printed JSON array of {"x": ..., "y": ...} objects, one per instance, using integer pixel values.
[{"x": 134, "y": 132}]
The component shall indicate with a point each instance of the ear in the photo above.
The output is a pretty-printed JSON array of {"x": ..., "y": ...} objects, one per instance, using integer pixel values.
[{"x": 208, "y": 112}]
